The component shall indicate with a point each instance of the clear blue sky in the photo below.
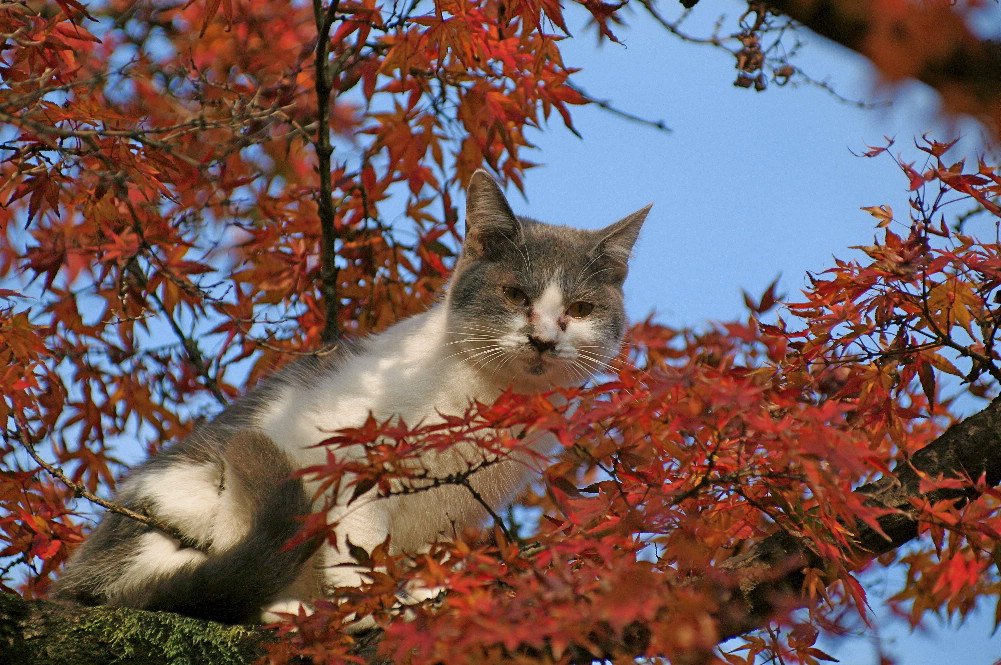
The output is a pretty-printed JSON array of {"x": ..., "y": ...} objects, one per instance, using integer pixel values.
[{"x": 748, "y": 186}]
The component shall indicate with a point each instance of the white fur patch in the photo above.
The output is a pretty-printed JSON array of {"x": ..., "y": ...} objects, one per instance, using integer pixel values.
[
  {"x": 195, "y": 499},
  {"x": 582, "y": 335},
  {"x": 547, "y": 310},
  {"x": 157, "y": 555},
  {"x": 407, "y": 372},
  {"x": 277, "y": 610}
]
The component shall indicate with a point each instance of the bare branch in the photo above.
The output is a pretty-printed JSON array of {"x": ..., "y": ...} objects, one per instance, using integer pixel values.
[
  {"x": 324, "y": 19},
  {"x": 607, "y": 105},
  {"x": 967, "y": 71}
]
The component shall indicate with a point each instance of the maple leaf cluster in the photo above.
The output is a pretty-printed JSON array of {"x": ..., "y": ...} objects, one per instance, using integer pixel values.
[{"x": 165, "y": 223}]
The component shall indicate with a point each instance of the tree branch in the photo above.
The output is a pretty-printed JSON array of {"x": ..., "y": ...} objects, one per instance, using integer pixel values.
[
  {"x": 607, "y": 105},
  {"x": 324, "y": 19},
  {"x": 27, "y": 442},
  {"x": 964, "y": 69},
  {"x": 39, "y": 632},
  {"x": 772, "y": 568}
]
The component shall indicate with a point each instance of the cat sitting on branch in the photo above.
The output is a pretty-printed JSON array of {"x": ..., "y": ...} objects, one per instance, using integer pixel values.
[{"x": 530, "y": 308}]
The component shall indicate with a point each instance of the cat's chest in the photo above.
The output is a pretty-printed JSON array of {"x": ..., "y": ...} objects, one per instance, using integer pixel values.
[
  {"x": 347, "y": 400},
  {"x": 409, "y": 378}
]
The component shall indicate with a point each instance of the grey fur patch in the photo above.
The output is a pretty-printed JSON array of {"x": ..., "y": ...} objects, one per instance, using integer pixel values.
[{"x": 230, "y": 586}]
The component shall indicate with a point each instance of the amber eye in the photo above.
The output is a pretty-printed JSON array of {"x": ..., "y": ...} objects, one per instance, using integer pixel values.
[
  {"x": 516, "y": 296},
  {"x": 580, "y": 309}
]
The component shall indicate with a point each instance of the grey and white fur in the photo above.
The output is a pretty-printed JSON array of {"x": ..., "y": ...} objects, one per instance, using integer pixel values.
[{"x": 530, "y": 306}]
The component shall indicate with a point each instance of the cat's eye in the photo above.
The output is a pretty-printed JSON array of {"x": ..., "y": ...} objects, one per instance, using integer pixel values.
[
  {"x": 580, "y": 309},
  {"x": 516, "y": 296}
]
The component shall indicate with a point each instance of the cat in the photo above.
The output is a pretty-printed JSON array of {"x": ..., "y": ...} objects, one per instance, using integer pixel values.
[{"x": 529, "y": 307}]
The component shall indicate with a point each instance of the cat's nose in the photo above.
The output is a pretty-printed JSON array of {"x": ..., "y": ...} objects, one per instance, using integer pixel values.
[{"x": 541, "y": 345}]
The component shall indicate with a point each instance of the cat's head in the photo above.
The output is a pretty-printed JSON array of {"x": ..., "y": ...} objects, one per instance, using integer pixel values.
[{"x": 536, "y": 305}]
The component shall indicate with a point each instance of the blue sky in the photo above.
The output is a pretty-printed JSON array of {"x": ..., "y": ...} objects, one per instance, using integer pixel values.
[{"x": 747, "y": 187}]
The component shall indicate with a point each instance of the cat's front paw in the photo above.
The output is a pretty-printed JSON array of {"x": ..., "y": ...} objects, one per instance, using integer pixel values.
[
  {"x": 280, "y": 610},
  {"x": 415, "y": 595}
]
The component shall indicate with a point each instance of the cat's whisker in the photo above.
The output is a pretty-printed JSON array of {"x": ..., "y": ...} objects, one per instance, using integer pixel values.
[
  {"x": 583, "y": 375},
  {"x": 478, "y": 326},
  {"x": 621, "y": 360},
  {"x": 580, "y": 274},
  {"x": 504, "y": 362},
  {"x": 595, "y": 365},
  {"x": 607, "y": 367},
  {"x": 590, "y": 367},
  {"x": 469, "y": 353},
  {"x": 479, "y": 330},
  {"x": 595, "y": 273},
  {"x": 495, "y": 354},
  {"x": 465, "y": 340},
  {"x": 603, "y": 359},
  {"x": 472, "y": 355},
  {"x": 522, "y": 250},
  {"x": 483, "y": 333}
]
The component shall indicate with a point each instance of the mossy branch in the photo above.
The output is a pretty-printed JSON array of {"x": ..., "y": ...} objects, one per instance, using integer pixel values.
[{"x": 39, "y": 632}]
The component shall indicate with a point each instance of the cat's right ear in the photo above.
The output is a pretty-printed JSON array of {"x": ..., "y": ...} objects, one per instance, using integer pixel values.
[
  {"x": 617, "y": 242},
  {"x": 491, "y": 226}
]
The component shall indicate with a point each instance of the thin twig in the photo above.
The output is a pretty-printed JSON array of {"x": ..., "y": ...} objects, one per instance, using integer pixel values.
[
  {"x": 464, "y": 482},
  {"x": 460, "y": 479},
  {"x": 22, "y": 435},
  {"x": 606, "y": 105},
  {"x": 195, "y": 356}
]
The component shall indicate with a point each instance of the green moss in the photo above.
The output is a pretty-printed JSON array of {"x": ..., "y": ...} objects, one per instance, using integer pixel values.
[
  {"x": 44, "y": 632},
  {"x": 140, "y": 636}
]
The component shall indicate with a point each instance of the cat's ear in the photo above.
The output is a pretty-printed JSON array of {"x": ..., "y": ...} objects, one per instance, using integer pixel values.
[
  {"x": 491, "y": 226},
  {"x": 617, "y": 240}
]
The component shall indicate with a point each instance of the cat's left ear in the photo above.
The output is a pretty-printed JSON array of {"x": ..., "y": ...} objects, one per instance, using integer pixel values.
[{"x": 617, "y": 239}]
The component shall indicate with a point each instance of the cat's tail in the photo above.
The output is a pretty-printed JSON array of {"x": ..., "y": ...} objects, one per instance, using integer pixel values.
[{"x": 126, "y": 563}]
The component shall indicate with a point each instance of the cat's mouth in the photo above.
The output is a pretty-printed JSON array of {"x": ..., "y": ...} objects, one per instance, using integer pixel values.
[
  {"x": 542, "y": 362},
  {"x": 536, "y": 366}
]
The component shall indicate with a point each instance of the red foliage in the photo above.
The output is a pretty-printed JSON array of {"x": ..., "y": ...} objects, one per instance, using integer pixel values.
[{"x": 162, "y": 244}]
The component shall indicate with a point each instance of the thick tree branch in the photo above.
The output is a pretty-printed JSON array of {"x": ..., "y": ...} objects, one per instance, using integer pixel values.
[
  {"x": 772, "y": 568},
  {"x": 39, "y": 632},
  {"x": 929, "y": 42}
]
